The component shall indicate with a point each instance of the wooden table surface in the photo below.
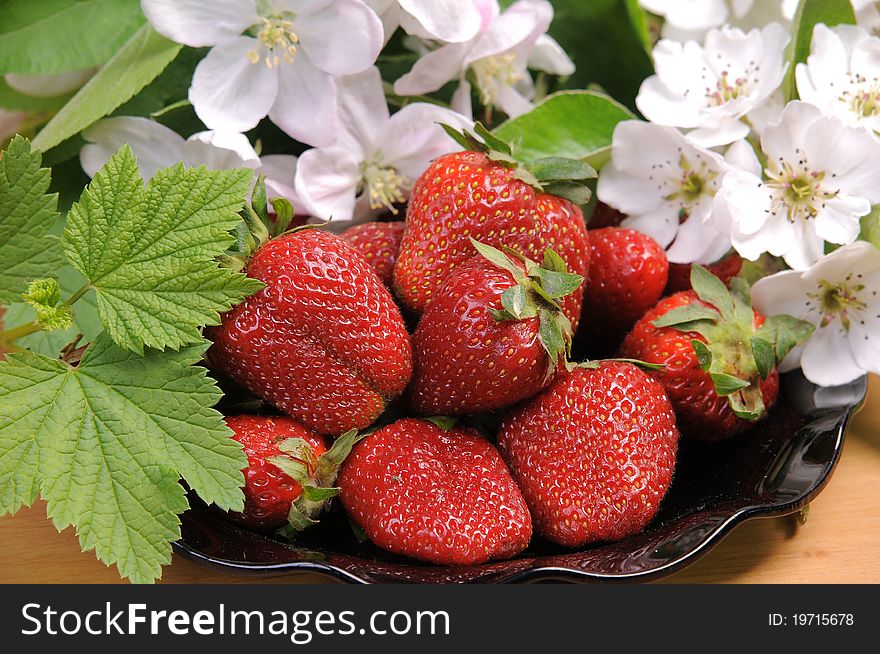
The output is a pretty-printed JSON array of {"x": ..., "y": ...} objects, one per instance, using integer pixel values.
[{"x": 839, "y": 543}]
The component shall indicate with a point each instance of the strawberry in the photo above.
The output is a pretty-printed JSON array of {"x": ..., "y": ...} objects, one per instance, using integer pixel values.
[
  {"x": 440, "y": 496},
  {"x": 593, "y": 454},
  {"x": 724, "y": 269},
  {"x": 494, "y": 335},
  {"x": 323, "y": 341},
  {"x": 628, "y": 271},
  {"x": 481, "y": 194},
  {"x": 720, "y": 357},
  {"x": 268, "y": 492},
  {"x": 379, "y": 244},
  {"x": 605, "y": 216}
]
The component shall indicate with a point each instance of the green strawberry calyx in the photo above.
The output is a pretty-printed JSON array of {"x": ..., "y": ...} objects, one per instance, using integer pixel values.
[
  {"x": 735, "y": 354},
  {"x": 258, "y": 225},
  {"x": 560, "y": 176},
  {"x": 535, "y": 294},
  {"x": 315, "y": 474}
]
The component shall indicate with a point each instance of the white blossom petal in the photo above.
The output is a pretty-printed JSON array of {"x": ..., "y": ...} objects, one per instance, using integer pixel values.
[
  {"x": 450, "y": 21},
  {"x": 433, "y": 70},
  {"x": 230, "y": 93},
  {"x": 549, "y": 56},
  {"x": 827, "y": 359},
  {"x": 197, "y": 23},
  {"x": 327, "y": 182},
  {"x": 154, "y": 145},
  {"x": 363, "y": 110},
  {"x": 220, "y": 150},
  {"x": 413, "y": 137},
  {"x": 342, "y": 39},
  {"x": 280, "y": 172},
  {"x": 306, "y": 107}
]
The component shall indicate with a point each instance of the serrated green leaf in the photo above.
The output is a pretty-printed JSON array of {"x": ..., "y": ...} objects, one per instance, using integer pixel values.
[
  {"x": 136, "y": 64},
  {"x": 149, "y": 252},
  {"x": 810, "y": 13},
  {"x": 572, "y": 124},
  {"x": 55, "y": 36},
  {"x": 44, "y": 296},
  {"x": 27, "y": 214},
  {"x": 712, "y": 290},
  {"x": 105, "y": 443}
]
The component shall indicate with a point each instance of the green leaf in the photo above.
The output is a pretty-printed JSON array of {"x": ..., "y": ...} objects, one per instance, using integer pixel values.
[
  {"x": 85, "y": 318},
  {"x": 27, "y": 214},
  {"x": 704, "y": 354},
  {"x": 552, "y": 338},
  {"x": 149, "y": 252},
  {"x": 765, "y": 357},
  {"x": 557, "y": 284},
  {"x": 727, "y": 384},
  {"x": 712, "y": 290},
  {"x": 552, "y": 261},
  {"x": 681, "y": 316},
  {"x": 283, "y": 215},
  {"x": 551, "y": 169},
  {"x": 498, "y": 258},
  {"x": 105, "y": 443},
  {"x": 515, "y": 301},
  {"x": 444, "y": 422},
  {"x": 55, "y": 36},
  {"x": 136, "y": 64},
  {"x": 337, "y": 454},
  {"x": 608, "y": 42},
  {"x": 319, "y": 493},
  {"x": 784, "y": 333},
  {"x": 808, "y": 15},
  {"x": 571, "y": 124},
  {"x": 574, "y": 192}
]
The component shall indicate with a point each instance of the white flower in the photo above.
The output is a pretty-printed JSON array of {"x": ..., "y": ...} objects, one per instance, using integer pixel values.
[
  {"x": 820, "y": 178},
  {"x": 498, "y": 57},
  {"x": 271, "y": 57},
  {"x": 842, "y": 75},
  {"x": 712, "y": 89},
  {"x": 450, "y": 21},
  {"x": 689, "y": 20},
  {"x": 665, "y": 185},
  {"x": 868, "y": 15},
  {"x": 377, "y": 158},
  {"x": 49, "y": 86},
  {"x": 841, "y": 296},
  {"x": 157, "y": 146}
]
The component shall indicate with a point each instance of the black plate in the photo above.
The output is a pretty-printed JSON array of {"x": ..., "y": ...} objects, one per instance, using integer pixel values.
[{"x": 775, "y": 469}]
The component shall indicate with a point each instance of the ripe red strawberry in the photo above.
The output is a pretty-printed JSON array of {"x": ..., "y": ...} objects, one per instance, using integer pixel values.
[
  {"x": 290, "y": 474},
  {"x": 482, "y": 196},
  {"x": 680, "y": 273},
  {"x": 440, "y": 496},
  {"x": 604, "y": 216},
  {"x": 379, "y": 244},
  {"x": 719, "y": 356},
  {"x": 628, "y": 272},
  {"x": 593, "y": 454},
  {"x": 323, "y": 341},
  {"x": 268, "y": 491},
  {"x": 494, "y": 335}
]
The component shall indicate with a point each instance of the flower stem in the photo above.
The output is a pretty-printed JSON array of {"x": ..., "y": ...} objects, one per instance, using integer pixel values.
[
  {"x": 11, "y": 335},
  {"x": 76, "y": 296}
]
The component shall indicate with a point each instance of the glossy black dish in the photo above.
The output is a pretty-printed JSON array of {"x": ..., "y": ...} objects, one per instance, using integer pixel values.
[{"x": 775, "y": 469}]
